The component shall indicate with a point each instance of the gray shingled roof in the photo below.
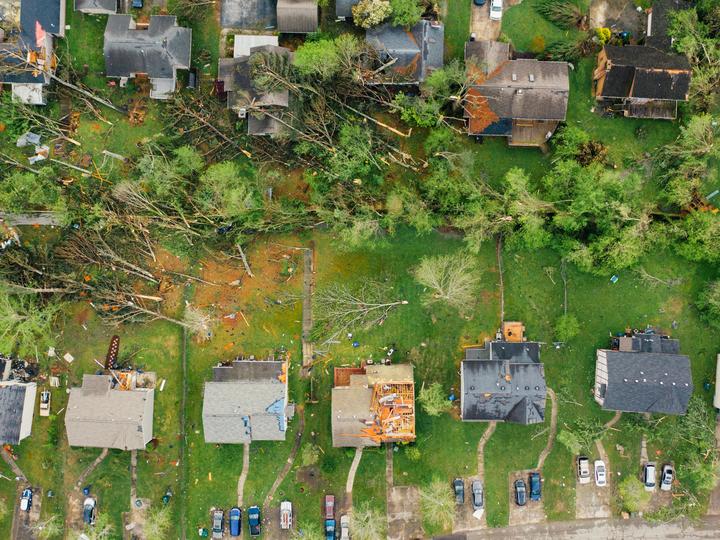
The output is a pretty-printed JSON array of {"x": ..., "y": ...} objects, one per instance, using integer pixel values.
[
  {"x": 157, "y": 51},
  {"x": 96, "y": 6},
  {"x": 246, "y": 402},
  {"x": 652, "y": 382},
  {"x": 350, "y": 409},
  {"x": 13, "y": 401},
  {"x": 99, "y": 416},
  {"x": 297, "y": 16},
  {"x": 504, "y": 382},
  {"x": 486, "y": 56},
  {"x": 343, "y": 8},
  {"x": 255, "y": 15},
  {"x": 417, "y": 51}
]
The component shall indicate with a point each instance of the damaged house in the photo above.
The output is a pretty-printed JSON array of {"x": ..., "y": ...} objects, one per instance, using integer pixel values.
[
  {"x": 27, "y": 46},
  {"x": 262, "y": 109},
  {"x": 503, "y": 381},
  {"x": 407, "y": 56},
  {"x": 373, "y": 404},
  {"x": 523, "y": 100},
  {"x": 156, "y": 50},
  {"x": 643, "y": 372},
  {"x": 17, "y": 400},
  {"x": 246, "y": 401}
]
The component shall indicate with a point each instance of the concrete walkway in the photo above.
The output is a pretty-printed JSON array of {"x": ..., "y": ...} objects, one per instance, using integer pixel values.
[
  {"x": 614, "y": 420},
  {"x": 481, "y": 448},
  {"x": 308, "y": 349},
  {"x": 243, "y": 474},
  {"x": 94, "y": 465},
  {"x": 643, "y": 450},
  {"x": 714, "y": 506},
  {"x": 351, "y": 479},
  {"x": 11, "y": 463},
  {"x": 553, "y": 429}
]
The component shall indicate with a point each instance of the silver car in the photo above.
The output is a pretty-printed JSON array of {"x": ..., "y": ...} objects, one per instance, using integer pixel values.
[
  {"x": 477, "y": 495},
  {"x": 666, "y": 477}
]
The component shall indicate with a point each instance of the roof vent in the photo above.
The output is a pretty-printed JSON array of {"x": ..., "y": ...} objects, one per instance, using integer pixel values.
[
  {"x": 537, "y": 388},
  {"x": 624, "y": 380},
  {"x": 673, "y": 384},
  {"x": 519, "y": 91},
  {"x": 502, "y": 388},
  {"x": 531, "y": 77},
  {"x": 527, "y": 388},
  {"x": 514, "y": 76},
  {"x": 662, "y": 382}
]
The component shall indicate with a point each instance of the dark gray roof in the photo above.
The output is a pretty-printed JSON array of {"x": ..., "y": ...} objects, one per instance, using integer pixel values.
[
  {"x": 297, "y": 16},
  {"x": 647, "y": 342},
  {"x": 343, "y": 8},
  {"x": 647, "y": 382},
  {"x": 417, "y": 51},
  {"x": 97, "y": 6},
  {"x": 645, "y": 72},
  {"x": 503, "y": 381},
  {"x": 658, "y": 31},
  {"x": 246, "y": 401},
  {"x": 486, "y": 56},
  {"x": 503, "y": 391},
  {"x": 158, "y": 51},
  {"x": 12, "y": 401},
  {"x": 248, "y": 14},
  {"x": 49, "y": 14}
]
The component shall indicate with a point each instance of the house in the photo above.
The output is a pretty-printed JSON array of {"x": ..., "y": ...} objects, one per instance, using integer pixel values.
[
  {"x": 373, "y": 404},
  {"x": 263, "y": 110},
  {"x": 658, "y": 22},
  {"x": 156, "y": 50},
  {"x": 503, "y": 381},
  {"x": 246, "y": 401},
  {"x": 97, "y": 7},
  {"x": 253, "y": 15},
  {"x": 643, "y": 372},
  {"x": 409, "y": 55},
  {"x": 17, "y": 406},
  {"x": 343, "y": 9},
  {"x": 523, "y": 100},
  {"x": 27, "y": 46},
  {"x": 641, "y": 81},
  {"x": 111, "y": 411},
  {"x": 297, "y": 16}
]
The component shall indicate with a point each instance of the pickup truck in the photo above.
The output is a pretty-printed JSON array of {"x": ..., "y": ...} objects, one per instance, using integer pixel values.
[
  {"x": 254, "y": 520},
  {"x": 285, "y": 515},
  {"x": 45, "y": 403}
]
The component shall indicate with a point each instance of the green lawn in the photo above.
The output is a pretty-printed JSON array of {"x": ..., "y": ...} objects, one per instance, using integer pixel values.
[
  {"x": 523, "y": 26},
  {"x": 456, "y": 16}
]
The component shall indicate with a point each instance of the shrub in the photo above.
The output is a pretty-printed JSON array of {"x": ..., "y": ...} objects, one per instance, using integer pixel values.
[
  {"x": 437, "y": 503},
  {"x": 413, "y": 453},
  {"x": 433, "y": 400},
  {"x": 633, "y": 496},
  {"x": 603, "y": 34},
  {"x": 310, "y": 455}
]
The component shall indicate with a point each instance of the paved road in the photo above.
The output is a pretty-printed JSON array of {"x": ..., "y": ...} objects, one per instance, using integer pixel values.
[{"x": 596, "y": 529}]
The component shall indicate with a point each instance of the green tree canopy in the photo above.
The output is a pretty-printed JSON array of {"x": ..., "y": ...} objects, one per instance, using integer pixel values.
[
  {"x": 369, "y": 13},
  {"x": 433, "y": 400},
  {"x": 227, "y": 192},
  {"x": 26, "y": 325},
  {"x": 25, "y": 191},
  {"x": 406, "y": 13},
  {"x": 633, "y": 496}
]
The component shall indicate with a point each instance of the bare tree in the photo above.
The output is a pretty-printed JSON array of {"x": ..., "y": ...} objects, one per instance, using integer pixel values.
[
  {"x": 340, "y": 309},
  {"x": 451, "y": 278}
]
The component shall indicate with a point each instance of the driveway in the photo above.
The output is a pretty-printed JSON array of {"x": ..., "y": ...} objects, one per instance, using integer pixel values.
[
  {"x": 403, "y": 513},
  {"x": 24, "y": 521},
  {"x": 480, "y": 23},
  {"x": 533, "y": 511},
  {"x": 618, "y": 15},
  {"x": 592, "y": 502},
  {"x": 465, "y": 520}
]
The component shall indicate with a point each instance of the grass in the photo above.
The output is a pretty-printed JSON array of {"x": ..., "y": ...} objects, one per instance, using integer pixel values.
[
  {"x": 456, "y": 16},
  {"x": 523, "y": 25}
]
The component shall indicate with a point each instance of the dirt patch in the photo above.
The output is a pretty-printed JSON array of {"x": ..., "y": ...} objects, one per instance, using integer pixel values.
[
  {"x": 533, "y": 511},
  {"x": 619, "y": 16},
  {"x": 24, "y": 521},
  {"x": 309, "y": 478},
  {"x": 403, "y": 513}
]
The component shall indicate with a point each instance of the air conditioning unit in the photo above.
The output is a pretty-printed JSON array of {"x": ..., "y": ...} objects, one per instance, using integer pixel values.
[{"x": 242, "y": 113}]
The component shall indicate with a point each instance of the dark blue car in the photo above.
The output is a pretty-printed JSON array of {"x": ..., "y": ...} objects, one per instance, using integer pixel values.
[
  {"x": 254, "y": 520},
  {"x": 535, "y": 486},
  {"x": 235, "y": 519}
]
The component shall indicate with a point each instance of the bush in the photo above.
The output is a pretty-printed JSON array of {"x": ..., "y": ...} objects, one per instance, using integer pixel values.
[
  {"x": 437, "y": 503},
  {"x": 309, "y": 455},
  {"x": 566, "y": 327},
  {"x": 406, "y": 13},
  {"x": 413, "y": 453},
  {"x": 570, "y": 441},
  {"x": 603, "y": 35},
  {"x": 433, "y": 400},
  {"x": 709, "y": 303},
  {"x": 632, "y": 494},
  {"x": 369, "y": 13},
  {"x": 329, "y": 464}
]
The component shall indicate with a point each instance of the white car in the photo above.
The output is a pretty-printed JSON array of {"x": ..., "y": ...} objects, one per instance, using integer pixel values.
[
  {"x": 666, "y": 478},
  {"x": 583, "y": 469},
  {"x": 344, "y": 527},
  {"x": 285, "y": 515},
  {"x": 648, "y": 476},
  {"x": 600, "y": 473},
  {"x": 496, "y": 10}
]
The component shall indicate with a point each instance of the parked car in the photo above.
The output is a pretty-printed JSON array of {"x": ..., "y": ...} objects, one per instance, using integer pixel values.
[
  {"x": 26, "y": 500},
  {"x": 600, "y": 473},
  {"x": 254, "y": 520},
  {"x": 648, "y": 476},
  {"x": 89, "y": 511},
  {"x": 285, "y": 515},
  {"x": 666, "y": 477},
  {"x": 520, "y": 493},
  {"x": 137, "y": 4},
  {"x": 477, "y": 494},
  {"x": 459, "y": 489},
  {"x": 329, "y": 529},
  {"x": 535, "y": 486},
  {"x": 329, "y": 506},
  {"x": 45, "y": 403},
  {"x": 583, "y": 469},
  {"x": 235, "y": 521},
  {"x": 344, "y": 527},
  {"x": 496, "y": 10},
  {"x": 218, "y": 523},
  {"x": 479, "y": 2}
]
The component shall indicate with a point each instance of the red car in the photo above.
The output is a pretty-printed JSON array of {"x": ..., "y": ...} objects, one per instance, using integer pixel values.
[{"x": 329, "y": 506}]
